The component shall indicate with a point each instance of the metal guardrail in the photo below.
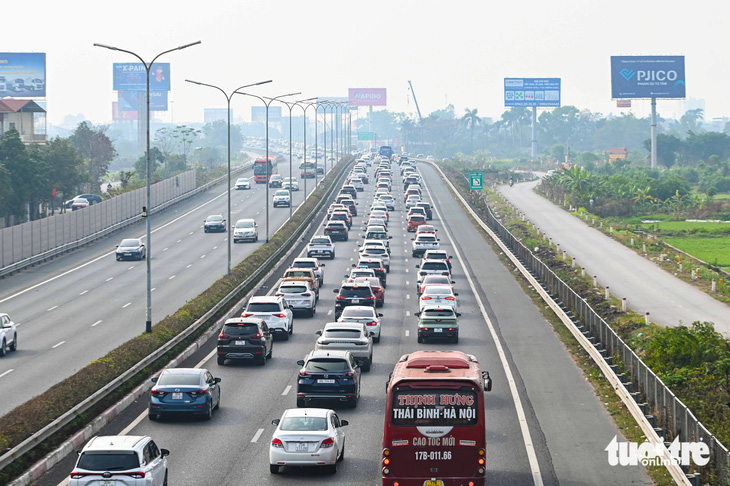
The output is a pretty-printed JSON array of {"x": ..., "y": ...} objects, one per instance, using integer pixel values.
[
  {"x": 70, "y": 415},
  {"x": 59, "y": 250},
  {"x": 670, "y": 417}
]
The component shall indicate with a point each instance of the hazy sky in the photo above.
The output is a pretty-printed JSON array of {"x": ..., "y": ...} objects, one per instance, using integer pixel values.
[{"x": 455, "y": 51}]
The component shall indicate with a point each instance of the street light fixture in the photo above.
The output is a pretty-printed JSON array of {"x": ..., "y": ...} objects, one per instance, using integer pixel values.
[
  {"x": 228, "y": 100},
  {"x": 268, "y": 174},
  {"x": 148, "y": 209}
]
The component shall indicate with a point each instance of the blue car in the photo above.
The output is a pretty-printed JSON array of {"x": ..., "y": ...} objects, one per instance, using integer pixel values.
[{"x": 184, "y": 391}]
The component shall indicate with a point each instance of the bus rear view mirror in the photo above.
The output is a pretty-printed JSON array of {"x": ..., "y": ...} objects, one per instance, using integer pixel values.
[{"x": 487, "y": 381}]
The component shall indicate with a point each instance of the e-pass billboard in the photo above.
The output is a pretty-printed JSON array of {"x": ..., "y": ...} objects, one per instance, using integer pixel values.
[
  {"x": 539, "y": 92},
  {"x": 23, "y": 74},
  {"x": 130, "y": 76},
  {"x": 647, "y": 77}
]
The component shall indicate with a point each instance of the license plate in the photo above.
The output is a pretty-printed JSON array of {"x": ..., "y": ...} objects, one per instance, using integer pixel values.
[
  {"x": 438, "y": 329},
  {"x": 429, "y": 482},
  {"x": 326, "y": 381},
  {"x": 240, "y": 343},
  {"x": 107, "y": 483},
  {"x": 355, "y": 301},
  {"x": 302, "y": 446},
  {"x": 177, "y": 396}
]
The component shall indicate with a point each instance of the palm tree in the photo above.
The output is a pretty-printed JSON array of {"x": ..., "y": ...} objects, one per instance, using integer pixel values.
[
  {"x": 471, "y": 120},
  {"x": 577, "y": 182}
]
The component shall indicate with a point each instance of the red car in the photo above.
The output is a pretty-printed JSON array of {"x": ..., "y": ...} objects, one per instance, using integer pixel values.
[
  {"x": 376, "y": 287},
  {"x": 415, "y": 221}
]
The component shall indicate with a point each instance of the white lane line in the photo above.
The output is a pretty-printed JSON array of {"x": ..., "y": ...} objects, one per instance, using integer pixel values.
[
  {"x": 96, "y": 324},
  {"x": 109, "y": 279},
  {"x": 522, "y": 419},
  {"x": 408, "y": 296},
  {"x": 206, "y": 359},
  {"x": 407, "y": 282},
  {"x": 134, "y": 423},
  {"x": 406, "y": 259},
  {"x": 126, "y": 305},
  {"x": 203, "y": 256},
  {"x": 191, "y": 232},
  {"x": 408, "y": 332},
  {"x": 408, "y": 313},
  {"x": 329, "y": 312},
  {"x": 153, "y": 289},
  {"x": 54, "y": 307},
  {"x": 215, "y": 247},
  {"x": 189, "y": 266},
  {"x": 131, "y": 267},
  {"x": 257, "y": 435},
  {"x": 82, "y": 293},
  {"x": 165, "y": 249},
  {"x": 7, "y": 372},
  {"x": 286, "y": 390},
  {"x": 57, "y": 345},
  {"x": 406, "y": 270},
  {"x": 171, "y": 277},
  {"x": 178, "y": 241}
]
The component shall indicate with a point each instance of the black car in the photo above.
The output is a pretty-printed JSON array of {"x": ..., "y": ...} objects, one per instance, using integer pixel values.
[
  {"x": 213, "y": 223},
  {"x": 336, "y": 230},
  {"x": 353, "y": 294},
  {"x": 328, "y": 375},
  {"x": 341, "y": 216},
  {"x": 245, "y": 338},
  {"x": 131, "y": 249},
  {"x": 427, "y": 207}
]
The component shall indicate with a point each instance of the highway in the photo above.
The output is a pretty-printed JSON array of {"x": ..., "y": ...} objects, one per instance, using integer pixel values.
[
  {"x": 544, "y": 423},
  {"x": 80, "y": 306}
]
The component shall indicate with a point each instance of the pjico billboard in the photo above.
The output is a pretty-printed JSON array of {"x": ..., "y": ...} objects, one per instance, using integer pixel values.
[
  {"x": 647, "y": 77},
  {"x": 367, "y": 97},
  {"x": 532, "y": 92},
  {"x": 23, "y": 74}
]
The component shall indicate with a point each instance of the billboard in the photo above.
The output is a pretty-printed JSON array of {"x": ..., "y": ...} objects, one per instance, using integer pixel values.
[
  {"x": 647, "y": 77},
  {"x": 119, "y": 115},
  {"x": 258, "y": 114},
  {"x": 367, "y": 96},
  {"x": 538, "y": 92},
  {"x": 23, "y": 74},
  {"x": 130, "y": 76},
  {"x": 128, "y": 100},
  {"x": 215, "y": 114}
]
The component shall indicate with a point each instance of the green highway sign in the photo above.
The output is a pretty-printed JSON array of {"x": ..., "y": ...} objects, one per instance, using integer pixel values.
[
  {"x": 364, "y": 136},
  {"x": 477, "y": 184}
]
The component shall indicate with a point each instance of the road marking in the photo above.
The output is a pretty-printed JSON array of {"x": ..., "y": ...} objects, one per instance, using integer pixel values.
[
  {"x": 286, "y": 390},
  {"x": 204, "y": 360},
  {"x": 215, "y": 247},
  {"x": 191, "y": 233},
  {"x": 407, "y": 282},
  {"x": 82, "y": 293},
  {"x": 54, "y": 307},
  {"x": 522, "y": 419},
  {"x": 406, "y": 270},
  {"x": 408, "y": 313},
  {"x": 96, "y": 324},
  {"x": 171, "y": 277},
  {"x": 126, "y": 305},
  {"x": 408, "y": 296},
  {"x": 109, "y": 279},
  {"x": 329, "y": 312},
  {"x": 57, "y": 345},
  {"x": 202, "y": 256},
  {"x": 407, "y": 332},
  {"x": 153, "y": 289},
  {"x": 7, "y": 372},
  {"x": 131, "y": 267},
  {"x": 165, "y": 249},
  {"x": 406, "y": 258},
  {"x": 257, "y": 435},
  {"x": 189, "y": 266},
  {"x": 178, "y": 241}
]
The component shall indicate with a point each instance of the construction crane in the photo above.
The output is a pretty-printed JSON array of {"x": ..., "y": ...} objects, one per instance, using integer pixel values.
[{"x": 420, "y": 118}]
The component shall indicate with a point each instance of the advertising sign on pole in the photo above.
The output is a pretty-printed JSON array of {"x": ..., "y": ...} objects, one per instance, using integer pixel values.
[
  {"x": 129, "y": 76},
  {"x": 477, "y": 184},
  {"x": 367, "y": 96},
  {"x": 532, "y": 92},
  {"x": 258, "y": 114},
  {"x": 23, "y": 74},
  {"x": 128, "y": 100},
  {"x": 120, "y": 115},
  {"x": 647, "y": 77}
]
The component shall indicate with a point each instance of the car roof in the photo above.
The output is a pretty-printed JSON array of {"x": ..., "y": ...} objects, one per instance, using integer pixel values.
[
  {"x": 184, "y": 371},
  {"x": 264, "y": 298},
  {"x": 244, "y": 320},
  {"x": 358, "y": 307},
  {"x": 331, "y": 353},
  {"x": 114, "y": 442},
  {"x": 438, "y": 289},
  {"x": 307, "y": 412},
  {"x": 352, "y": 326},
  {"x": 304, "y": 259}
]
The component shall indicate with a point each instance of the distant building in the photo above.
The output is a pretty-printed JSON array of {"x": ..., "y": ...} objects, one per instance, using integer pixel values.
[
  {"x": 616, "y": 153},
  {"x": 25, "y": 116}
]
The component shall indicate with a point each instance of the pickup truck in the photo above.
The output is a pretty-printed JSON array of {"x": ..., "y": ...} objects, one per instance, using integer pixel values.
[
  {"x": 423, "y": 242},
  {"x": 299, "y": 274}
]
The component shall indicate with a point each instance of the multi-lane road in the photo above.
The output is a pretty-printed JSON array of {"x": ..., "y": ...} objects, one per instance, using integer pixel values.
[
  {"x": 544, "y": 423},
  {"x": 77, "y": 308}
]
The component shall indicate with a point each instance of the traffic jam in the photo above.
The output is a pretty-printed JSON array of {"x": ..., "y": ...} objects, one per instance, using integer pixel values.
[{"x": 382, "y": 194}]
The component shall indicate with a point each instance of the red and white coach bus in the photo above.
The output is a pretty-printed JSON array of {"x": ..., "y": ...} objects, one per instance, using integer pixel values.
[{"x": 435, "y": 431}]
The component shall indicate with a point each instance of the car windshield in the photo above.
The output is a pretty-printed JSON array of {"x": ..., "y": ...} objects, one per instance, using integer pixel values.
[
  {"x": 129, "y": 243},
  {"x": 320, "y": 241},
  {"x": 375, "y": 250},
  {"x": 436, "y": 279},
  {"x": 319, "y": 364},
  {"x": 104, "y": 461},
  {"x": 434, "y": 266},
  {"x": 293, "y": 289},
  {"x": 242, "y": 179},
  {"x": 341, "y": 334},
  {"x": 357, "y": 313},
  {"x": 426, "y": 238},
  {"x": 304, "y": 264},
  {"x": 263, "y": 307},
  {"x": 245, "y": 224},
  {"x": 437, "y": 290},
  {"x": 304, "y": 424},
  {"x": 379, "y": 235},
  {"x": 282, "y": 193},
  {"x": 240, "y": 329},
  {"x": 214, "y": 219},
  {"x": 356, "y": 292},
  {"x": 434, "y": 313},
  {"x": 299, "y": 273},
  {"x": 181, "y": 379}
]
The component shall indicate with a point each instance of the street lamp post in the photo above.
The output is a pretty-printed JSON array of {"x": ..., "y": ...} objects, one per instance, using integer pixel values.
[
  {"x": 304, "y": 106},
  {"x": 268, "y": 174},
  {"x": 228, "y": 101},
  {"x": 148, "y": 209}
]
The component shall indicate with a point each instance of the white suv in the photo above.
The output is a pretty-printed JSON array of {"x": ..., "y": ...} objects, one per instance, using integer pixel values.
[
  {"x": 282, "y": 198},
  {"x": 122, "y": 460},
  {"x": 8, "y": 334},
  {"x": 245, "y": 229},
  {"x": 274, "y": 311}
]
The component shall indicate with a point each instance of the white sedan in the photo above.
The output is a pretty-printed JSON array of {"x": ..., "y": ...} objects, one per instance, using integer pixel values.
[
  {"x": 440, "y": 295},
  {"x": 307, "y": 437},
  {"x": 243, "y": 183},
  {"x": 363, "y": 314}
]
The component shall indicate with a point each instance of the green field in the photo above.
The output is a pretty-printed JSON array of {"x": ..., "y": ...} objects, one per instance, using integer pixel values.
[
  {"x": 690, "y": 227},
  {"x": 706, "y": 249}
]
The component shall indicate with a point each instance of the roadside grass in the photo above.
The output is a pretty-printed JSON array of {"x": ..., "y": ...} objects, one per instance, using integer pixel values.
[
  {"x": 688, "y": 227},
  {"x": 715, "y": 251}
]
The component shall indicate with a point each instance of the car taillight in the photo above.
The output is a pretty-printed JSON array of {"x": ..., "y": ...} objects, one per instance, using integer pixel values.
[
  {"x": 425, "y": 297},
  {"x": 445, "y": 273},
  {"x": 306, "y": 294},
  {"x": 279, "y": 315},
  {"x": 340, "y": 297},
  {"x": 258, "y": 335},
  {"x": 197, "y": 393},
  {"x": 158, "y": 393},
  {"x": 304, "y": 373},
  {"x": 276, "y": 443},
  {"x": 350, "y": 373},
  {"x": 79, "y": 475},
  {"x": 373, "y": 323},
  {"x": 450, "y": 298},
  {"x": 328, "y": 442},
  {"x": 246, "y": 314},
  {"x": 223, "y": 336},
  {"x": 278, "y": 294},
  {"x": 369, "y": 297},
  {"x": 136, "y": 475}
]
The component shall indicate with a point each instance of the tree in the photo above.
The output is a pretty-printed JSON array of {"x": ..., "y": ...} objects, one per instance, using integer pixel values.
[
  {"x": 25, "y": 171},
  {"x": 185, "y": 136},
  {"x": 97, "y": 150},
  {"x": 667, "y": 148},
  {"x": 215, "y": 135},
  {"x": 7, "y": 194},
  {"x": 470, "y": 121},
  {"x": 65, "y": 165}
]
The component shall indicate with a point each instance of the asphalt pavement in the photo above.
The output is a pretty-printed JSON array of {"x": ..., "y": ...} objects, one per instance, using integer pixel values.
[{"x": 647, "y": 288}]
